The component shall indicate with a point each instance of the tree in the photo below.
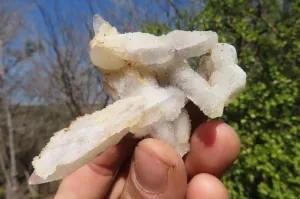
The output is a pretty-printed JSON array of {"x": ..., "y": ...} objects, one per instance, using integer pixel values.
[
  {"x": 12, "y": 182},
  {"x": 267, "y": 114},
  {"x": 64, "y": 64},
  {"x": 11, "y": 179},
  {"x": 10, "y": 81}
]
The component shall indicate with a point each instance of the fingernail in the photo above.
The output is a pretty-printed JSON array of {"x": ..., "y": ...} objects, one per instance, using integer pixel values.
[{"x": 150, "y": 173}]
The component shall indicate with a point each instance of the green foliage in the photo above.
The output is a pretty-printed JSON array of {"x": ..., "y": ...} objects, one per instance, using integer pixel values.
[
  {"x": 2, "y": 192},
  {"x": 1, "y": 184},
  {"x": 267, "y": 114}
]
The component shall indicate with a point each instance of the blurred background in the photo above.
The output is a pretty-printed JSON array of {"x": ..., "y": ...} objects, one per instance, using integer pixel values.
[{"x": 47, "y": 79}]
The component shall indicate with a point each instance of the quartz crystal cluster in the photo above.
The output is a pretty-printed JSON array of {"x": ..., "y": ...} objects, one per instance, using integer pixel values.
[{"x": 150, "y": 81}]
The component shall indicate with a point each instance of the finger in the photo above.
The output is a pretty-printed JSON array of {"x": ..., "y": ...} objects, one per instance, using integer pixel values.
[
  {"x": 118, "y": 186},
  {"x": 157, "y": 171},
  {"x": 119, "y": 182},
  {"x": 94, "y": 179},
  {"x": 205, "y": 186},
  {"x": 214, "y": 147}
]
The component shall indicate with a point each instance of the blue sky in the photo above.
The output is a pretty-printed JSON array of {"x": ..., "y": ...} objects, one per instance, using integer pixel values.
[
  {"x": 79, "y": 7},
  {"x": 102, "y": 7},
  {"x": 73, "y": 12}
]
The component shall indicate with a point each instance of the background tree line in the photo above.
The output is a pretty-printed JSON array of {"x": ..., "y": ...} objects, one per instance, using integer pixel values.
[{"x": 47, "y": 79}]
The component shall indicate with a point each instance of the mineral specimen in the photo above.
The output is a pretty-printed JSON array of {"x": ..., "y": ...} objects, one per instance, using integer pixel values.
[{"x": 151, "y": 81}]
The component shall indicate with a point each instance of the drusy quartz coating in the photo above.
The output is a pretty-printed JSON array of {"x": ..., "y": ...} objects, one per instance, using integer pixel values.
[{"x": 150, "y": 81}]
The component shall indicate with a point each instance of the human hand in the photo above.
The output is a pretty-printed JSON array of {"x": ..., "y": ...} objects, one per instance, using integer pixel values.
[{"x": 156, "y": 170}]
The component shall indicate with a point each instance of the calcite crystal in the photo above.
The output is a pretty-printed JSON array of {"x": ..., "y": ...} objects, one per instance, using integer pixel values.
[{"x": 150, "y": 81}]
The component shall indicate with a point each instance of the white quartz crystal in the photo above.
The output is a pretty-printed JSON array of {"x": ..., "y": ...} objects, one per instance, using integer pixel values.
[{"x": 151, "y": 81}]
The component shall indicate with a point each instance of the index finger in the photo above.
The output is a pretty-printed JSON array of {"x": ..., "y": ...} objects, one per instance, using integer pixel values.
[{"x": 94, "y": 179}]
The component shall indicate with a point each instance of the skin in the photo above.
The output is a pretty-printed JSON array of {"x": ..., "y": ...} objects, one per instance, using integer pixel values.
[{"x": 152, "y": 169}]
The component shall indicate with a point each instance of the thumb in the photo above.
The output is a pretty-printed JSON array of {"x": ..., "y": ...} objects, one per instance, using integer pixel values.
[{"x": 156, "y": 171}]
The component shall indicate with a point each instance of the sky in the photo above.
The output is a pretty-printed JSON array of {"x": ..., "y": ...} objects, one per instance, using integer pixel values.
[
  {"x": 73, "y": 7},
  {"x": 72, "y": 12}
]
